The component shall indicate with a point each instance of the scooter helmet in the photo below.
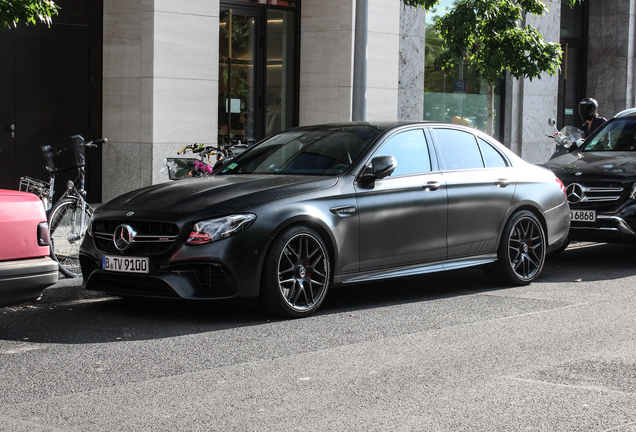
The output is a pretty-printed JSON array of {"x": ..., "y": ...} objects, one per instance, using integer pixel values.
[{"x": 587, "y": 108}]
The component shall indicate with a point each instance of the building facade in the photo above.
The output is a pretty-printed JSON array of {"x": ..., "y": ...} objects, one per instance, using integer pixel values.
[{"x": 214, "y": 71}]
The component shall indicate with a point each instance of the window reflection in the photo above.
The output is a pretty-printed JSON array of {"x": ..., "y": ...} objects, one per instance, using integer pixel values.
[{"x": 457, "y": 95}]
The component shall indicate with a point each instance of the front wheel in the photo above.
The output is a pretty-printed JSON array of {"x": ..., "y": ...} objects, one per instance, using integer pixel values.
[
  {"x": 66, "y": 231},
  {"x": 522, "y": 250},
  {"x": 297, "y": 273}
]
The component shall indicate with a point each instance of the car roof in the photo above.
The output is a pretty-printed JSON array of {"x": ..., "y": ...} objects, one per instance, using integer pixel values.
[
  {"x": 626, "y": 113},
  {"x": 379, "y": 125}
]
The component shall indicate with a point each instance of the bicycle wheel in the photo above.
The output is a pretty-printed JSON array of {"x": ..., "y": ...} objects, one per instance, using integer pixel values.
[{"x": 66, "y": 234}]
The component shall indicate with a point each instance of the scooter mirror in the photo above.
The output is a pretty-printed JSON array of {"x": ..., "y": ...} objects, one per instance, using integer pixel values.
[{"x": 551, "y": 122}]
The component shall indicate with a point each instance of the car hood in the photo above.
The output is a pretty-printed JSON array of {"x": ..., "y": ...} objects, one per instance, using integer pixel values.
[
  {"x": 191, "y": 195},
  {"x": 595, "y": 164}
]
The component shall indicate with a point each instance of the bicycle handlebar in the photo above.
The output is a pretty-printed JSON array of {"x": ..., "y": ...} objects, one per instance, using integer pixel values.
[{"x": 93, "y": 144}]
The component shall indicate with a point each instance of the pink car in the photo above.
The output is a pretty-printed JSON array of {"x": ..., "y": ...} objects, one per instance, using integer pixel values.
[{"x": 26, "y": 268}]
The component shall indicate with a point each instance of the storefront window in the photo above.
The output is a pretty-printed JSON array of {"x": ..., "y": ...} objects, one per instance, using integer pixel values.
[
  {"x": 458, "y": 95},
  {"x": 280, "y": 97}
]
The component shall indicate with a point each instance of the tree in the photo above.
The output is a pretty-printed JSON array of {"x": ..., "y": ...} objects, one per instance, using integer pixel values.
[
  {"x": 489, "y": 35},
  {"x": 30, "y": 11}
]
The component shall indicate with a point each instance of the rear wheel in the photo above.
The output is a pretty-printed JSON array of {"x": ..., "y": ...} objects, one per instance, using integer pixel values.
[
  {"x": 522, "y": 250},
  {"x": 296, "y": 275},
  {"x": 66, "y": 234}
]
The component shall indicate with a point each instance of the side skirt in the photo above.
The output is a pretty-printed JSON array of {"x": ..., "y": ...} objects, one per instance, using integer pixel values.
[{"x": 432, "y": 267}]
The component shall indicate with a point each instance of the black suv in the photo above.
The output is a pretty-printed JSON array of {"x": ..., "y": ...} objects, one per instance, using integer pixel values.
[{"x": 600, "y": 177}]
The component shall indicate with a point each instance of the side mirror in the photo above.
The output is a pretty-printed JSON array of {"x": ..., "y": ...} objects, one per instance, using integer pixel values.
[
  {"x": 551, "y": 122},
  {"x": 381, "y": 167}
]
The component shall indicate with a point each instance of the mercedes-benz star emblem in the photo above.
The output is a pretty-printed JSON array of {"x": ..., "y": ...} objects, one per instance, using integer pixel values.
[
  {"x": 123, "y": 237},
  {"x": 575, "y": 193}
]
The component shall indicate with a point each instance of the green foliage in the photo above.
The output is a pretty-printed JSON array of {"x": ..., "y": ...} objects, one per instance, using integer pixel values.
[
  {"x": 30, "y": 11},
  {"x": 528, "y": 5},
  {"x": 488, "y": 35}
]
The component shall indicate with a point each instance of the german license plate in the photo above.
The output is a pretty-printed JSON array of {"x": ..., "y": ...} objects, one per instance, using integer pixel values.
[
  {"x": 125, "y": 264},
  {"x": 583, "y": 215}
]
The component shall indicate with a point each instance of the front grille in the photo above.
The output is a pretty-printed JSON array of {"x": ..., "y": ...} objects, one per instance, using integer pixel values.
[
  {"x": 585, "y": 195},
  {"x": 151, "y": 238},
  {"x": 599, "y": 194}
]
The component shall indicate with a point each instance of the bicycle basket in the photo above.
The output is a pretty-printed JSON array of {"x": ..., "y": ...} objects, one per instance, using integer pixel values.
[
  {"x": 34, "y": 186},
  {"x": 64, "y": 154},
  {"x": 176, "y": 170}
]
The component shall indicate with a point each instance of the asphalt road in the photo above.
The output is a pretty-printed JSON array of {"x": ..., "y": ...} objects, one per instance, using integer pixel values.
[{"x": 446, "y": 352}]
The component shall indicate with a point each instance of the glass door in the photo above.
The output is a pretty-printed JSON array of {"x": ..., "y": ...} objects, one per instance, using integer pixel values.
[{"x": 240, "y": 75}]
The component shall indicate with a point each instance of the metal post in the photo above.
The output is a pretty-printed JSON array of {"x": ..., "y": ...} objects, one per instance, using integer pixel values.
[{"x": 359, "y": 103}]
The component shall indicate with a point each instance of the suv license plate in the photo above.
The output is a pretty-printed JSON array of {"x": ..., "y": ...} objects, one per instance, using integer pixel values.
[
  {"x": 125, "y": 264},
  {"x": 583, "y": 215}
]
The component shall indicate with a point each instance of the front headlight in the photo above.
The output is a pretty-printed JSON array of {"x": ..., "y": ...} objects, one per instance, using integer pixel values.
[{"x": 216, "y": 229}]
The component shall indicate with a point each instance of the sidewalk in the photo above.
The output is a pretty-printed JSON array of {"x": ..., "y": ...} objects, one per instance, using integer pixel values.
[{"x": 65, "y": 290}]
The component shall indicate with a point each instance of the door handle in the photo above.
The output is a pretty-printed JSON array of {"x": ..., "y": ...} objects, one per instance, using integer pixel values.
[
  {"x": 431, "y": 186},
  {"x": 502, "y": 182}
]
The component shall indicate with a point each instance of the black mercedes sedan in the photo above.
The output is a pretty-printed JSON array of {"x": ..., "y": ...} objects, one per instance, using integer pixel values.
[
  {"x": 319, "y": 206},
  {"x": 600, "y": 176}
]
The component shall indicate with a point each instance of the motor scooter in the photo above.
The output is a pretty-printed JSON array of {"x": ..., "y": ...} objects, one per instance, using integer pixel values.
[{"x": 567, "y": 139}]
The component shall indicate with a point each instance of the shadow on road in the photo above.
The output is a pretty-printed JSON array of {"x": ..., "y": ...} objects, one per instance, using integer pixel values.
[{"x": 73, "y": 316}]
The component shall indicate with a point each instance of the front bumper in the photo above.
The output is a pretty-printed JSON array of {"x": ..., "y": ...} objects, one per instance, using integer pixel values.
[
  {"x": 607, "y": 229},
  {"x": 225, "y": 269},
  {"x": 25, "y": 280}
]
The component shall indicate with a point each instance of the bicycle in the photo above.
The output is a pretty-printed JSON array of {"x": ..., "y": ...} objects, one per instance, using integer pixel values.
[
  {"x": 71, "y": 215},
  {"x": 208, "y": 157}
]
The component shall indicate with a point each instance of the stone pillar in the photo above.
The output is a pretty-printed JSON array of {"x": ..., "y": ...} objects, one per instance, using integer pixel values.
[
  {"x": 326, "y": 60},
  {"x": 610, "y": 61},
  {"x": 411, "y": 67},
  {"x": 160, "y": 86},
  {"x": 530, "y": 104},
  {"x": 383, "y": 60}
]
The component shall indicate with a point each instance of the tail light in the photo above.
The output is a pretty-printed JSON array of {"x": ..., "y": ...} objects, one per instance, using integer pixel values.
[{"x": 43, "y": 234}]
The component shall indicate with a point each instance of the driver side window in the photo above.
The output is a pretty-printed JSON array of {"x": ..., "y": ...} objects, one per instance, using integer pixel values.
[{"x": 410, "y": 150}]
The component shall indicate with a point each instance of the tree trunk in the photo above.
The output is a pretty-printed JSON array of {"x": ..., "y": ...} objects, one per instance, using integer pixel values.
[{"x": 490, "y": 101}]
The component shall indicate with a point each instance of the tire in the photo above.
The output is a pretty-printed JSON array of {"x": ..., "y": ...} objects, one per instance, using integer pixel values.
[
  {"x": 560, "y": 249},
  {"x": 64, "y": 227},
  {"x": 296, "y": 273},
  {"x": 521, "y": 252}
]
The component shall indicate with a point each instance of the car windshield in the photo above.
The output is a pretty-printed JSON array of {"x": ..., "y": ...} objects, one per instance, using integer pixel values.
[
  {"x": 326, "y": 152},
  {"x": 616, "y": 135}
]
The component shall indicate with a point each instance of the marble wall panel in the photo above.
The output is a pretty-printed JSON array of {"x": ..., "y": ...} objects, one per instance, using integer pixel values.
[
  {"x": 412, "y": 21},
  {"x": 383, "y": 60},
  {"x": 184, "y": 110},
  {"x": 186, "y": 46},
  {"x": 208, "y": 8},
  {"x": 384, "y": 16},
  {"x": 122, "y": 164},
  {"x": 320, "y": 65},
  {"x": 327, "y": 15},
  {"x": 122, "y": 45},
  {"x": 382, "y": 104},
  {"x": 411, "y": 63},
  {"x": 536, "y": 112},
  {"x": 410, "y": 105},
  {"x": 122, "y": 107},
  {"x": 321, "y": 105},
  {"x": 131, "y": 7},
  {"x": 147, "y": 44}
]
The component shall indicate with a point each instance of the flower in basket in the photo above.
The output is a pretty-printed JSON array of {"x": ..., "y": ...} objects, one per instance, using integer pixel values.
[{"x": 202, "y": 168}]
